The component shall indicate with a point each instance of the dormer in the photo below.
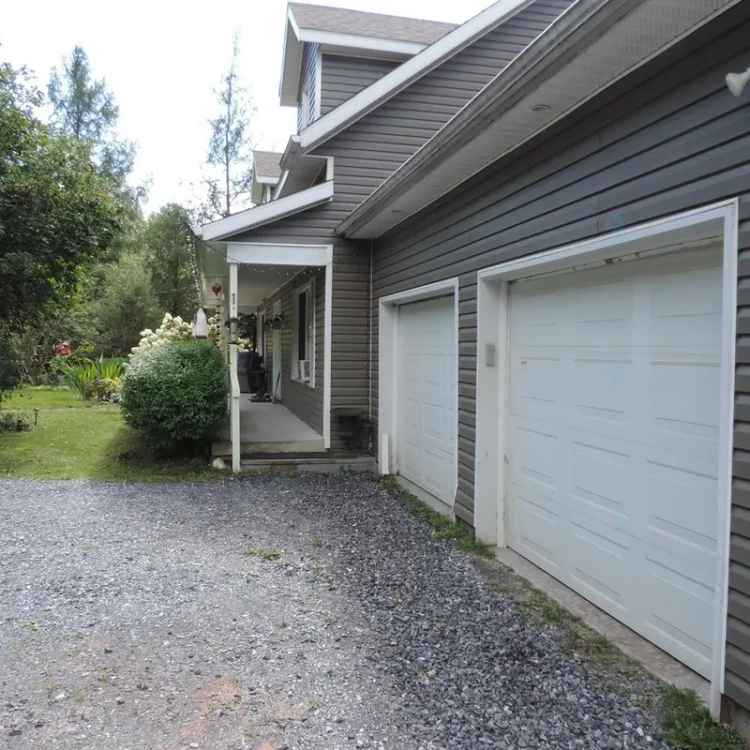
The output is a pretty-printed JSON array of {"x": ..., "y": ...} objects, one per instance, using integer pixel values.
[
  {"x": 266, "y": 175},
  {"x": 331, "y": 54}
]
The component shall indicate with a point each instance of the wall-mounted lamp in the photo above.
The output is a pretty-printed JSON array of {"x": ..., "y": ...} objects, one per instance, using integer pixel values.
[{"x": 736, "y": 82}]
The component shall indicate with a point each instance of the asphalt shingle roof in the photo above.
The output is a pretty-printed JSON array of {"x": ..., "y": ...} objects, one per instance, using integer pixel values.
[
  {"x": 345, "y": 21},
  {"x": 267, "y": 164}
]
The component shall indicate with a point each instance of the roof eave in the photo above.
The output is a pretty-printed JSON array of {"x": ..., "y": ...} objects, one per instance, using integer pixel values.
[
  {"x": 338, "y": 119},
  {"x": 552, "y": 52},
  {"x": 267, "y": 213}
]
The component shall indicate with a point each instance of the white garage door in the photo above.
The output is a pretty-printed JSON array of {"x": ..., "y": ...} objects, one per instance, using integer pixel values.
[
  {"x": 614, "y": 440},
  {"x": 426, "y": 377}
]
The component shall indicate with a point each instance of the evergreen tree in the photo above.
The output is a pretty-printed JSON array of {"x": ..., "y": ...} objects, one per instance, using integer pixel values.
[
  {"x": 84, "y": 109},
  {"x": 230, "y": 150}
]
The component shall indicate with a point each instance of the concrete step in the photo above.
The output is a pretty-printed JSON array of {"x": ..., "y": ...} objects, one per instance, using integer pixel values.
[{"x": 316, "y": 463}]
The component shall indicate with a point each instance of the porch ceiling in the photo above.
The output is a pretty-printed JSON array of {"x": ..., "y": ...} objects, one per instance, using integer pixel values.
[{"x": 256, "y": 282}]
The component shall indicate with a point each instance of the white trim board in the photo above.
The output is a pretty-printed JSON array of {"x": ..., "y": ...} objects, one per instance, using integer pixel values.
[
  {"x": 388, "y": 367},
  {"x": 268, "y": 212},
  {"x": 719, "y": 221},
  {"x": 402, "y": 76}
]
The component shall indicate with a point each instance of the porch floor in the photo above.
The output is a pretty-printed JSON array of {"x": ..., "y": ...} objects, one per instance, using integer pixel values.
[{"x": 268, "y": 428}]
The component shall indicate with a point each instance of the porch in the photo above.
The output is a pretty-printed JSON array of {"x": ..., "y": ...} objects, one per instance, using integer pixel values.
[
  {"x": 285, "y": 291},
  {"x": 268, "y": 428}
]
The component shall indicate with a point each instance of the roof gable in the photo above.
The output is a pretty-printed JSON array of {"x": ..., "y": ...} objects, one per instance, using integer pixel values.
[{"x": 327, "y": 126}]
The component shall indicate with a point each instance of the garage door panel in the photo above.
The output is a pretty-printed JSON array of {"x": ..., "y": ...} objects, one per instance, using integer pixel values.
[
  {"x": 602, "y": 388},
  {"x": 427, "y": 375},
  {"x": 537, "y": 531},
  {"x": 614, "y": 411}
]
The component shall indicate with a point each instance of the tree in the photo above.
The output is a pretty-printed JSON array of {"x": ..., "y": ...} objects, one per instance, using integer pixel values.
[
  {"x": 56, "y": 212},
  {"x": 229, "y": 149},
  {"x": 171, "y": 248},
  {"x": 84, "y": 109},
  {"x": 126, "y": 306}
]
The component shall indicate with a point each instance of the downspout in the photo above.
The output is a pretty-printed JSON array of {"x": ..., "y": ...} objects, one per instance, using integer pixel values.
[{"x": 369, "y": 332}]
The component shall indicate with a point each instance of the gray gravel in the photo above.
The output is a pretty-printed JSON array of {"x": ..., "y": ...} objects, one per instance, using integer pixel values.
[{"x": 131, "y": 617}]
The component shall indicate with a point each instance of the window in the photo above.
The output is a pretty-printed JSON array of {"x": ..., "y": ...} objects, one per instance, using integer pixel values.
[{"x": 303, "y": 345}]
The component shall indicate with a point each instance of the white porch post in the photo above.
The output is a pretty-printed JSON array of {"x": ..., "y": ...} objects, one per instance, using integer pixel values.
[{"x": 234, "y": 406}]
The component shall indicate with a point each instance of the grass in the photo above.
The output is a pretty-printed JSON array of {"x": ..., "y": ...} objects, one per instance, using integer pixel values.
[
  {"x": 269, "y": 555},
  {"x": 442, "y": 527},
  {"x": 687, "y": 724},
  {"x": 76, "y": 439}
]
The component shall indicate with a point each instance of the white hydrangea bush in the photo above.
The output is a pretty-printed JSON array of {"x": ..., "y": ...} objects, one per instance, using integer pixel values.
[{"x": 172, "y": 328}]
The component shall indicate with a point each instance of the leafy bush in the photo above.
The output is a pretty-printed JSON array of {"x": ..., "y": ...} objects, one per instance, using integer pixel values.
[
  {"x": 8, "y": 367},
  {"x": 175, "y": 393},
  {"x": 98, "y": 380},
  {"x": 14, "y": 421}
]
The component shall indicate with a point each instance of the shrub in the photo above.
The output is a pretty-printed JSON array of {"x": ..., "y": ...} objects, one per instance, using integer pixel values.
[
  {"x": 98, "y": 380},
  {"x": 175, "y": 393},
  {"x": 14, "y": 421}
]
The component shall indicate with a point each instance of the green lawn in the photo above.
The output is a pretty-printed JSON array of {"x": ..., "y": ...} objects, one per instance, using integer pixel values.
[{"x": 77, "y": 439}]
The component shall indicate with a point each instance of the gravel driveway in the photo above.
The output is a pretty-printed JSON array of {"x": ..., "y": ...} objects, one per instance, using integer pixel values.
[{"x": 132, "y": 616}]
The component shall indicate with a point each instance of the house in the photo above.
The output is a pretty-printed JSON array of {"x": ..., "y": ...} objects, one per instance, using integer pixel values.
[{"x": 520, "y": 245}]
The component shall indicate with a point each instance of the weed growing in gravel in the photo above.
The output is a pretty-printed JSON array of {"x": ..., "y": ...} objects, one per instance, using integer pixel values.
[
  {"x": 442, "y": 528},
  {"x": 264, "y": 554},
  {"x": 687, "y": 724}
]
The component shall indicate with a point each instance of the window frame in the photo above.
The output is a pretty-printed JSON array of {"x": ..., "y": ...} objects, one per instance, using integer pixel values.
[{"x": 308, "y": 289}]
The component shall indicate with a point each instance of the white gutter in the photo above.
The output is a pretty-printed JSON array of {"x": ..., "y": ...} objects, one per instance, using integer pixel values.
[{"x": 268, "y": 212}]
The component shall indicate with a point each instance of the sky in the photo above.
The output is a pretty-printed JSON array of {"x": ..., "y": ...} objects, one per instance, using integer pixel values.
[{"x": 163, "y": 59}]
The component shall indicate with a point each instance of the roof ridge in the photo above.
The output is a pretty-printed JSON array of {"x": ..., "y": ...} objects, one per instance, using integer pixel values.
[{"x": 339, "y": 9}]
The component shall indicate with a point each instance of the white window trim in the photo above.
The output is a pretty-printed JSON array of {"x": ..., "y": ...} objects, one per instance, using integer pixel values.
[
  {"x": 388, "y": 376},
  {"x": 307, "y": 288},
  {"x": 717, "y": 220}
]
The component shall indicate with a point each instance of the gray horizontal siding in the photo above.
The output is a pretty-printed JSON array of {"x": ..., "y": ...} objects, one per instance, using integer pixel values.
[
  {"x": 667, "y": 139},
  {"x": 343, "y": 77},
  {"x": 374, "y": 147}
]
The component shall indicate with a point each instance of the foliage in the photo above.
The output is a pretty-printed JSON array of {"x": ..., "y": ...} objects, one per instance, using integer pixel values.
[
  {"x": 8, "y": 366},
  {"x": 14, "y": 421},
  {"x": 85, "y": 109},
  {"x": 176, "y": 393},
  {"x": 126, "y": 305},
  {"x": 99, "y": 380},
  {"x": 171, "y": 247},
  {"x": 229, "y": 149},
  {"x": 77, "y": 439},
  {"x": 56, "y": 212},
  {"x": 174, "y": 328},
  {"x": 687, "y": 724}
]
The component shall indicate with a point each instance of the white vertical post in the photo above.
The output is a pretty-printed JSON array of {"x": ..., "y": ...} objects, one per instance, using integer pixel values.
[{"x": 234, "y": 413}]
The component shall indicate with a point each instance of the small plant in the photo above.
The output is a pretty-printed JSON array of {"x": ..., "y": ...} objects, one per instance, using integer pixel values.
[
  {"x": 14, "y": 421},
  {"x": 264, "y": 554},
  {"x": 687, "y": 724},
  {"x": 98, "y": 380}
]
